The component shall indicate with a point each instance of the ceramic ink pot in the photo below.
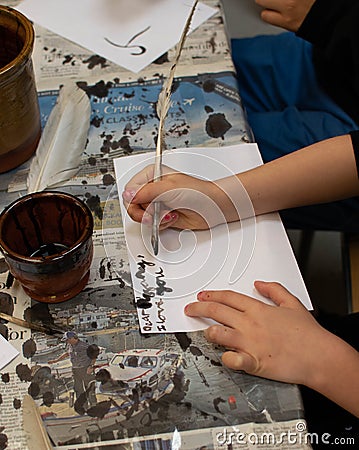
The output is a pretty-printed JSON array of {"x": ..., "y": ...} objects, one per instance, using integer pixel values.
[
  {"x": 20, "y": 127},
  {"x": 46, "y": 239}
]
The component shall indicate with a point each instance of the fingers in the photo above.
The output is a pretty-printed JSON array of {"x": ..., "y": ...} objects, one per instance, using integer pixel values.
[
  {"x": 278, "y": 294},
  {"x": 273, "y": 18},
  {"x": 144, "y": 194},
  {"x": 240, "y": 361},
  {"x": 227, "y": 312},
  {"x": 237, "y": 359},
  {"x": 232, "y": 299},
  {"x": 140, "y": 179}
]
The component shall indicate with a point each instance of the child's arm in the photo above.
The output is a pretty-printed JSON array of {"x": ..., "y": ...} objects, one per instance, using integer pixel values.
[
  {"x": 282, "y": 342},
  {"x": 322, "y": 172}
]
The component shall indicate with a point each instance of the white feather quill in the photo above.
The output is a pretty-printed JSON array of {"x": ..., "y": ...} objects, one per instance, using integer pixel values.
[
  {"x": 35, "y": 431},
  {"x": 62, "y": 142},
  {"x": 163, "y": 105}
]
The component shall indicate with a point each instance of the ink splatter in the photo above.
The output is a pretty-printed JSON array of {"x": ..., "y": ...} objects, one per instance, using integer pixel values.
[
  {"x": 92, "y": 161},
  {"x": 208, "y": 109},
  {"x": 162, "y": 59},
  {"x": 34, "y": 390},
  {"x": 100, "y": 89},
  {"x": 110, "y": 144},
  {"x": 129, "y": 95},
  {"x": 216, "y": 363},
  {"x": 93, "y": 351},
  {"x": 39, "y": 312},
  {"x": 124, "y": 143},
  {"x": 48, "y": 398},
  {"x": 108, "y": 179},
  {"x": 183, "y": 340},
  {"x": 4, "y": 331},
  {"x": 3, "y": 441},
  {"x": 6, "y": 303},
  {"x": 0, "y": 401},
  {"x": 17, "y": 403},
  {"x": 94, "y": 203},
  {"x": 5, "y": 378},
  {"x": 217, "y": 125},
  {"x": 100, "y": 410},
  {"x": 97, "y": 121},
  {"x": 29, "y": 348},
  {"x": 3, "y": 266},
  {"x": 68, "y": 59},
  {"x": 95, "y": 60},
  {"x": 195, "y": 351},
  {"x": 216, "y": 402},
  {"x": 80, "y": 403},
  {"x": 209, "y": 85},
  {"x": 23, "y": 372}
]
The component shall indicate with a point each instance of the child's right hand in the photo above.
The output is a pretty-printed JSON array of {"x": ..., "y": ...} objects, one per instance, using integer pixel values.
[{"x": 187, "y": 202}]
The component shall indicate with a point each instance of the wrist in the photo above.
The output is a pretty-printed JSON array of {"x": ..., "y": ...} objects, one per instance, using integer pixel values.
[
  {"x": 232, "y": 198},
  {"x": 331, "y": 364}
]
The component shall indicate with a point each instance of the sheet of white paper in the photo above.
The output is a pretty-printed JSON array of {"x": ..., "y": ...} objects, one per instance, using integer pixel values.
[
  {"x": 7, "y": 352},
  {"x": 130, "y": 33},
  {"x": 226, "y": 257}
]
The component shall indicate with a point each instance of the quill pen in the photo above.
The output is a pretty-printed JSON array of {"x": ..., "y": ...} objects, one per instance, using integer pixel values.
[
  {"x": 63, "y": 140},
  {"x": 48, "y": 329},
  {"x": 163, "y": 105},
  {"x": 36, "y": 434}
]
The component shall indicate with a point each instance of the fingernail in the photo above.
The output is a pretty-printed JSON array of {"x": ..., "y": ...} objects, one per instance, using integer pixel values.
[
  {"x": 186, "y": 309},
  {"x": 128, "y": 194},
  {"x": 167, "y": 217},
  {"x": 174, "y": 216},
  {"x": 146, "y": 218}
]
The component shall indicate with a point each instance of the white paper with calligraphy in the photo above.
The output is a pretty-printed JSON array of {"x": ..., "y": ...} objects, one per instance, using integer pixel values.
[
  {"x": 132, "y": 34},
  {"x": 226, "y": 257}
]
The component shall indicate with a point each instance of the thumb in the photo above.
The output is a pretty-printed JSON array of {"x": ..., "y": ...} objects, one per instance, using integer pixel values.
[
  {"x": 277, "y": 293},
  {"x": 238, "y": 360}
]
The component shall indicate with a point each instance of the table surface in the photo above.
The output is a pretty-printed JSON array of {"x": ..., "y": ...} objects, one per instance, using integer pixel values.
[{"x": 193, "y": 399}]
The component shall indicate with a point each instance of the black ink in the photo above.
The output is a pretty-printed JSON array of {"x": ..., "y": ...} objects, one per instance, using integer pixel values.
[
  {"x": 23, "y": 372},
  {"x": 29, "y": 348},
  {"x": 94, "y": 61},
  {"x": 142, "y": 267},
  {"x": 6, "y": 304},
  {"x": 161, "y": 284},
  {"x": 17, "y": 403},
  {"x": 5, "y": 378},
  {"x": 183, "y": 340},
  {"x": 141, "y": 48},
  {"x": 217, "y": 125}
]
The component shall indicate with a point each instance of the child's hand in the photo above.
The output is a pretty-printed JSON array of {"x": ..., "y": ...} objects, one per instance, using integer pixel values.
[
  {"x": 187, "y": 202},
  {"x": 282, "y": 342},
  {"x": 287, "y": 14}
]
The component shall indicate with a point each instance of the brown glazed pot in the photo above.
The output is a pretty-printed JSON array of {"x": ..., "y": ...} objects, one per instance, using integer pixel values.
[
  {"x": 20, "y": 127},
  {"x": 46, "y": 238}
]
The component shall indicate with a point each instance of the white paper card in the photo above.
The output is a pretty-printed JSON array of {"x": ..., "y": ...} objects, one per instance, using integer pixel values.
[
  {"x": 226, "y": 257},
  {"x": 7, "y": 352},
  {"x": 130, "y": 33}
]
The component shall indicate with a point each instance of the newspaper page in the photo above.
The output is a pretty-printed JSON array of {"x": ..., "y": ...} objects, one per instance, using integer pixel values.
[{"x": 144, "y": 391}]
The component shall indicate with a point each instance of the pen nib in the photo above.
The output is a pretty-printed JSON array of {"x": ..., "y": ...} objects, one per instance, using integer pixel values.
[{"x": 154, "y": 242}]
